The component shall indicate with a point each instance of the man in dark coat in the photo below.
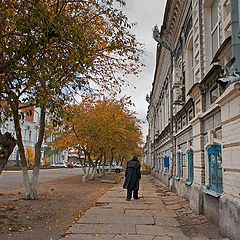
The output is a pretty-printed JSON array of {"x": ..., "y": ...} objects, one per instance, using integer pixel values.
[{"x": 132, "y": 177}]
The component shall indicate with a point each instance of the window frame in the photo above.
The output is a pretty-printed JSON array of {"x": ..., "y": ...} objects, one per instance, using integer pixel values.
[
  {"x": 218, "y": 186},
  {"x": 178, "y": 166},
  {"x": 190, "y": 156},
  {"x": 165, "y": 165},
  {"x": 215, "y": 28}
]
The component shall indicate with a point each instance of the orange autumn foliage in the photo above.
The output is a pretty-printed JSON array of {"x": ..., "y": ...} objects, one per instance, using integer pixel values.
[{"x": 101, "y": 125}]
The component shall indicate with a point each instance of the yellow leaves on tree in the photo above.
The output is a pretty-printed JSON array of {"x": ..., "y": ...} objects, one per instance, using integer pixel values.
[
  {"x": 101, "y": 125},
  {"x": 46, "y": 160},
  {"x": 30, "y": 156}
]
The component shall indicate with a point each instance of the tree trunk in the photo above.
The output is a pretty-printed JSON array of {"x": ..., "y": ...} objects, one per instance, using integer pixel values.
[
  {"x": 85, "y": 175},
  {"x": 38, "y": 145},
  {"x": 84, "y": 169},
  {"x": 110, "y": 168},
  {"x": 7, "y": 144},
  {"x": 111, "y": 161},
  {"x": 94, "y": 170},
  {"x": 30, "y": 186},
  {"x": 37, "y": 159},
  {"x": 103, "y": 165},
  {"x": 102, "y": 173},
  {"x": 16, "y": 119}
]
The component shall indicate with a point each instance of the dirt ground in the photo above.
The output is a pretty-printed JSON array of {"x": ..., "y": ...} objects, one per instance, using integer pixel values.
[{"x": 60, "y": 204}]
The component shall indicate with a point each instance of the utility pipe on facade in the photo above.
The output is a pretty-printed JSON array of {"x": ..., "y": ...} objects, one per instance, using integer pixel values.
[
  {"x": 165, "y": 44},
  {"x": 235, "y": 5}
]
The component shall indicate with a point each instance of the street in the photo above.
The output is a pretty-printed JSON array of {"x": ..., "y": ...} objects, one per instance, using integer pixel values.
[{"x": 13, "y": 179}]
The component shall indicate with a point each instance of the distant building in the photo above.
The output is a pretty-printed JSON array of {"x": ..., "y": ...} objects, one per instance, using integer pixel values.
[
  {"x": 193, "y": 143},
  {"x": 30, "y": 129}
]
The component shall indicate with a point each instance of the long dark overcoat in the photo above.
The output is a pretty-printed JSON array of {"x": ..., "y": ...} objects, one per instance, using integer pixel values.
[{"x": 132, "y": 175}]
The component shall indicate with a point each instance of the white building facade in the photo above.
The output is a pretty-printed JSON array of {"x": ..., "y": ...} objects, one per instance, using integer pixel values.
[
  {"x": 193, "y": 144},
  {"x": 30, "y": 130}
]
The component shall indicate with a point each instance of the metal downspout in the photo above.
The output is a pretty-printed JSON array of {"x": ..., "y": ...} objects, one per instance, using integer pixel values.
[{"x": 235, "y": 33}]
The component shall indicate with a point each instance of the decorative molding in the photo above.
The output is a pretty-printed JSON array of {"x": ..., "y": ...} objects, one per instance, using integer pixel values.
[
  {"x": 230, "y": 145},
  {"x": 233, "y": 170}
]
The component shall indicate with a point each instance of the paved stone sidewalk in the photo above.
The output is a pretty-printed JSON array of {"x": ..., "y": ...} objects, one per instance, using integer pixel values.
[{"x": 157, "y": 215}]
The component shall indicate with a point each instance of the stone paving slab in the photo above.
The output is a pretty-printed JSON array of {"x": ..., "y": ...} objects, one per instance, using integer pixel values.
[
  {"x": 146, "y": 197},
  {"x": 89, "y": 237},
  {"x": 172, "y": 198},
  {"x": 153, "y": 200},
  {"x": 162, "y": 238},
  {"x": 174, "y": 207},
  {"x": 166, "y": 222},
  {"x": 127, "y": 205},
  {"x": 135, "y": 237},
  {"x": 162, "y": 213},
  {"x": 106, "y": 199},
  {"x": 160, "y": 231},
  {"x": 155, "y": 213},
  {"x": 102, "y": 229},
  {"x": 103, "y": 211},
  {"x": 115, "y": 195},
  {"x": 157, "y": 206},
  {"x": 134, "y": 212},
  {"x": 119, "y": 219},
  {"x": 150, "y": 194}
]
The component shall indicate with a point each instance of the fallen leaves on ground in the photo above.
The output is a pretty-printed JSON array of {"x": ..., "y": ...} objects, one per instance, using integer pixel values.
[{"x": 52, "y": 214}]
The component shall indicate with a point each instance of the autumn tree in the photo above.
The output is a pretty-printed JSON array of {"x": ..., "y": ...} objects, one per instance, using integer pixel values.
[
  {"x": 102, "y": 128},
  {"x": 49, "y": 49}
]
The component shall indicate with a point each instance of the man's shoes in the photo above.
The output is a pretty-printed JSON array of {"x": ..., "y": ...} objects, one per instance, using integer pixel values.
[
  {"x": 137, "y": 198},
  {"x": 127, "y": 199}
]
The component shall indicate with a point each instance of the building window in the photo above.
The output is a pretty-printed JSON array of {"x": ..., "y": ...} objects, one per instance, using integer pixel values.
[
  {"x": 215, "y": 168},
  {"x": 190, "y": 114},
  {"x": 189, "y": 64},
  {"x": 183, "y": 164},
  {"x": 190, "y": 177},
  {"x": 166, "y": 163},
  {"x": 178, "y": 174},
  {"x": 214, "y": 27},
  {"x": 179, "y": 124},
  {"x": 184, "y": 121}
]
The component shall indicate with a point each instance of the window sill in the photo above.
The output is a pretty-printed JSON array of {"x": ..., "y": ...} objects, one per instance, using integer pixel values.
[
  {"x": 188, "y": 182},
  {"x": 177, "y": 178},
  {"x": 212, "y": 193}
]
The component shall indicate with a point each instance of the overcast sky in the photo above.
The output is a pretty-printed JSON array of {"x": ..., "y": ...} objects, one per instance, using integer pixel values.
[{"x": 146, "y": 13}]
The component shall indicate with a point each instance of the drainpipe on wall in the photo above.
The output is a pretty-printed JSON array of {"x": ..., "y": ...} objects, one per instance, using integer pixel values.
[{"x": 235, "y": 5}]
